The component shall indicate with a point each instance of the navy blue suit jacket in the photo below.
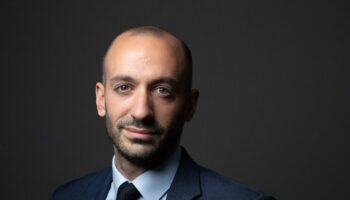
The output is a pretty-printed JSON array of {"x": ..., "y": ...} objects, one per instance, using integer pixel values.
[{"x": 190, "y": 182}]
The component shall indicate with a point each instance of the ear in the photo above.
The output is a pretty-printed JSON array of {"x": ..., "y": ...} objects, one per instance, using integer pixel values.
[
  {"x": 192, "y": 104},
  {"x": 100, "y": 99}
]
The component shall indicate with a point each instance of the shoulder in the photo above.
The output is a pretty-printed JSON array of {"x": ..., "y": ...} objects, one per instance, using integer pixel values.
[
  {"x": 207, "y": 184},
  {"x": 82, "y": 187},
  {"x": 216, "y": 186}
]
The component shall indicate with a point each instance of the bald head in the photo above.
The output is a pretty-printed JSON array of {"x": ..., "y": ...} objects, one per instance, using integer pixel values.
[{"x": 137, "y": 36}]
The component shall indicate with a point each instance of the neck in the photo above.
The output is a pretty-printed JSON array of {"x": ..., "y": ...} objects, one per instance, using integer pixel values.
[{"x": 128, "y": 169}]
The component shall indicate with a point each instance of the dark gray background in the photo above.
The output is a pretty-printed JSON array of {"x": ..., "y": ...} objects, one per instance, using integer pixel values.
[{"x": 274, "y": 103}]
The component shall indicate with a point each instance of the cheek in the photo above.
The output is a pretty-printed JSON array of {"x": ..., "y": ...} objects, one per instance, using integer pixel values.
[
  {"x": 116, "y": 107},
  {"x": 168, "y": 114}
]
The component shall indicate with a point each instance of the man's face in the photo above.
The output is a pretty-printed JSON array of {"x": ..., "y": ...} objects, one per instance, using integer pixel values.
[{"x": 144, "y": 97}]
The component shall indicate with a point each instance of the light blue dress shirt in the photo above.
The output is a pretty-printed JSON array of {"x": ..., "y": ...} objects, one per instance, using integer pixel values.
[{"x": 153, "y": 184}]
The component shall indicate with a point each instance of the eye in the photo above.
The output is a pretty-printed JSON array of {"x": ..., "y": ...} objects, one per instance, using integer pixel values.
[
  {"x": 123, "y": 88},
  {"x": 163, "y": 91}
]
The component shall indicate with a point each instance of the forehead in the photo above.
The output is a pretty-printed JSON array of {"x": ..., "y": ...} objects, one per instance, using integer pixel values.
[{"x": 145, "y": 55}]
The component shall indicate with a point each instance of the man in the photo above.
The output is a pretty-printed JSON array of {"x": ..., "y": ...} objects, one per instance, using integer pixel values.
[{"x": 145, "y": 97}]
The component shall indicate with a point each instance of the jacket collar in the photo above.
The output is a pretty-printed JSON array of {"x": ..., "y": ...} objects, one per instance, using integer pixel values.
[
  {"x": 98, "y": 189},
  {"x": 186, "y": 183}
]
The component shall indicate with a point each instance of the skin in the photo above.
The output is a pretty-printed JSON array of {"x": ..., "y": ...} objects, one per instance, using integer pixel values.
[{"x": 145, "y": 99}]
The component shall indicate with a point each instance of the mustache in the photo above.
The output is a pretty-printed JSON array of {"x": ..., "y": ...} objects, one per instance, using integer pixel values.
[{"x": 154, "y": 127}]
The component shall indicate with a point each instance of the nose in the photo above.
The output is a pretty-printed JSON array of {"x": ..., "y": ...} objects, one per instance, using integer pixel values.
[{"x": 142, "y": 108}]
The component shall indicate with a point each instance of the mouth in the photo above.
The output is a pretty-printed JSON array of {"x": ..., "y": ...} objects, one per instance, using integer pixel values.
[{"x": 138, "y": 133}]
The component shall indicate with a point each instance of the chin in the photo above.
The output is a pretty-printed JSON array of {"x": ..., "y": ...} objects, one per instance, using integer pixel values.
[
  {"x": 143, "y": 154},
  {"x": 139, "y": 154}
]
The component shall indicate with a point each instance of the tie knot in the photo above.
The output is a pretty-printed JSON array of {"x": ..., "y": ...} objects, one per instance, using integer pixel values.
[{"x": 127, "y": 191}]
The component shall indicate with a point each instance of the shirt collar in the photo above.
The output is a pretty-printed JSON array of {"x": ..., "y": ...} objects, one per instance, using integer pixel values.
[{"x": 153, "y": 183}]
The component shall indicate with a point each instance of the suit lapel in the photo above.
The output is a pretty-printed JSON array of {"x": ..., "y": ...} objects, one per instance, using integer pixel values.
[
  {"x": 186, "y": 183},
  {"x": 99, "y": 188}
]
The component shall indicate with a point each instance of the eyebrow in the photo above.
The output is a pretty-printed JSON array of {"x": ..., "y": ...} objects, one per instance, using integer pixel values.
[
  {"x": 171, "y": 81},
  {"x": 127, "y": 78}
]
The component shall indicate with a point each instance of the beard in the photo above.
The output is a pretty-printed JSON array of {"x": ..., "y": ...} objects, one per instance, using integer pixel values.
[{"x": 144, "y": 152}]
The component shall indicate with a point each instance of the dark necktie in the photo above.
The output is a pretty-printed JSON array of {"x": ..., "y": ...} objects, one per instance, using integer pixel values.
[{"x": 127, "y": 191}]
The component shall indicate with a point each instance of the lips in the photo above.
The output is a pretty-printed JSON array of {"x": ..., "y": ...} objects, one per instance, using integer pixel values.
[{"x": 137, "y": 133}]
